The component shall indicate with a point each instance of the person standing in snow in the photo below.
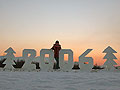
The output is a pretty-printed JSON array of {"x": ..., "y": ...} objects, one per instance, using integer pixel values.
[{"x": 56, "y": 47}]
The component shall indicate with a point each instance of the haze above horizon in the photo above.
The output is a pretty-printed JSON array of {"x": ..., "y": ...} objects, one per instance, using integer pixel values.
[{"x": 78, "y": 25}]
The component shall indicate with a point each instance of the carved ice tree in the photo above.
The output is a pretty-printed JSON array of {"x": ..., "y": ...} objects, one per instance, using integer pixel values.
[
  {"x": 9, "y": 59},
  {"x": 109, "y": 56}
]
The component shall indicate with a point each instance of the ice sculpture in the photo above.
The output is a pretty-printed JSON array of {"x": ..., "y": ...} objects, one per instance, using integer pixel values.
[
  {"x": 9, "y": 61},
  {"x": 28, "y": 59},
  {"x": 86, "y": 63},
  {"x": 50, "y": 61},
  {"x": 66, "y": 66},
  {"x": 109, "y": 64}
]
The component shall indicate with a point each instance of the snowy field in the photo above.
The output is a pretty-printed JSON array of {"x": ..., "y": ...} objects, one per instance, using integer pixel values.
[{"x": 60, "y": 80}]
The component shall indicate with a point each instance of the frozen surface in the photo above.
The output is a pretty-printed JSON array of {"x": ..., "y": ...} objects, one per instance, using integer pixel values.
[{"x": 59, "y": 80}]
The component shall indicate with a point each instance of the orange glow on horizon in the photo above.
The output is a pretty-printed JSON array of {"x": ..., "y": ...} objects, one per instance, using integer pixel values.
[
  {"x": 97, "y": 57},
  {"x": 77, "y": 48}
]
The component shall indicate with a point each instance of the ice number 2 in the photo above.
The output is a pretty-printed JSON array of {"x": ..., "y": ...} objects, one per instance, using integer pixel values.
[{"x": 28, "y": 59}]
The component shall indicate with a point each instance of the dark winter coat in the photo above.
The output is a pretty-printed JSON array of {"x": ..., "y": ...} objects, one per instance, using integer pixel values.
[{"x": 56, "y": 48}]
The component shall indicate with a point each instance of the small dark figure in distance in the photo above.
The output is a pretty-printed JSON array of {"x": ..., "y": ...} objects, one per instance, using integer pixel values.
[{"x": 56, "y": 47}]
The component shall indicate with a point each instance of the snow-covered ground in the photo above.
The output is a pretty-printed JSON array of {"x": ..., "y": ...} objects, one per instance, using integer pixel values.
[{"x": 60, "y": 80}]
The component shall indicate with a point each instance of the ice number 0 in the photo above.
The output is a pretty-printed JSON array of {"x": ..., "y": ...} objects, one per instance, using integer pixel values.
[
  {"x": 66, "y": 66},
  {"x": 49, "y": 65}
]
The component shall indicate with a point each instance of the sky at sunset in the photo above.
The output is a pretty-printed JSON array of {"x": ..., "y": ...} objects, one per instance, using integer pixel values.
[{"x": 78, "y": 25}]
